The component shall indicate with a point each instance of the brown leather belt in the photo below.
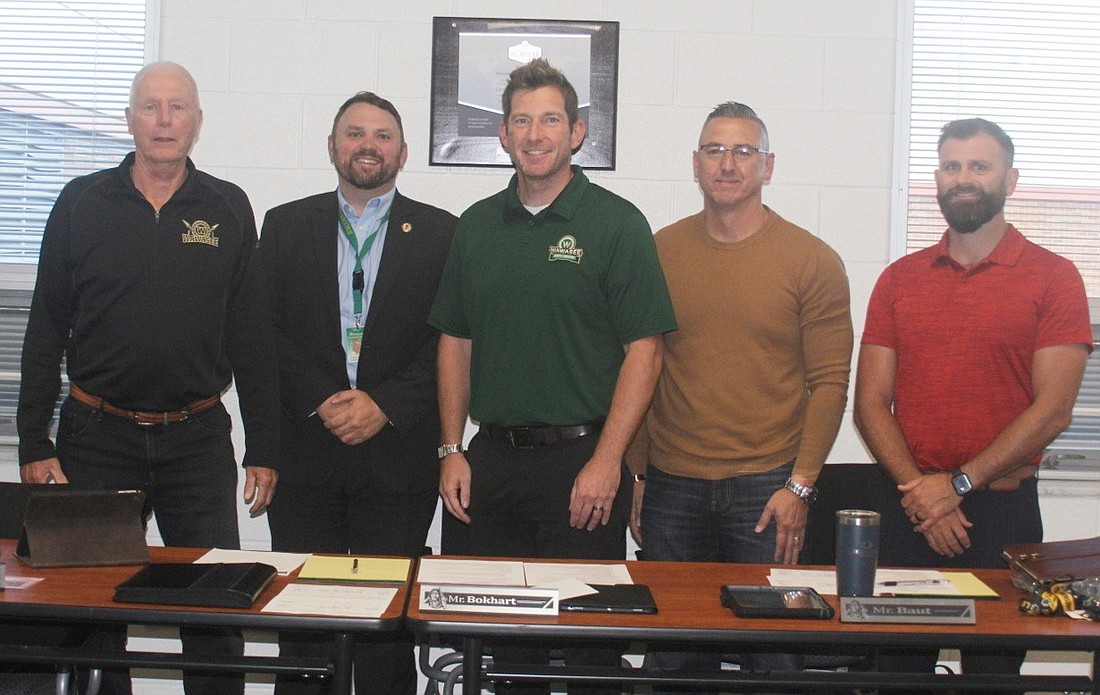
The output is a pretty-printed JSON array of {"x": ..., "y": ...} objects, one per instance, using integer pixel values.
[
  {"x": 139, "y": 417},
  {"x": 534, "y": 437}
]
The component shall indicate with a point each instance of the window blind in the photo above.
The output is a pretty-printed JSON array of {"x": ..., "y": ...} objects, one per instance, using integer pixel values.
[
  {"x": 65, "y": 72},
  {"x": 1034, "y": 69}
]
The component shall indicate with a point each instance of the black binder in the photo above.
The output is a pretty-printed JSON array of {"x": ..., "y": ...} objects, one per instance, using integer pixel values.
[
  {"x": 612, "y": 598},
  {"x": 221, "y": 585}
]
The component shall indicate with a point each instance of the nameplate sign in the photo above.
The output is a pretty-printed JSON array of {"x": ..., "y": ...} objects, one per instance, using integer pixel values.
[
  {"x": 465, "y": 598},
  {"x": 855, "y": 609}
]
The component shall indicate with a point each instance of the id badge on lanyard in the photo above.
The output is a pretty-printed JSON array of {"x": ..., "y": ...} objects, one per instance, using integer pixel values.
[{"x": 353, "y": 343}]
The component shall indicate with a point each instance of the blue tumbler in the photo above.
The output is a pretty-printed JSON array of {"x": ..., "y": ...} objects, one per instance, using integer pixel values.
[{"x": 856, "y": 551}]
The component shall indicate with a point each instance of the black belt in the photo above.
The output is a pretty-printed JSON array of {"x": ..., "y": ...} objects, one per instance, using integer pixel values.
[{"x": 534, "y": 437}]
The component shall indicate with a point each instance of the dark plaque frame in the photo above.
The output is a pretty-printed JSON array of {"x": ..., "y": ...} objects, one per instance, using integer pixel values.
[{"x": 464, "y": 131}]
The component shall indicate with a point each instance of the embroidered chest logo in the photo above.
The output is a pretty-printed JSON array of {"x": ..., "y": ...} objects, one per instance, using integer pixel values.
[
  {"x": 199, "y": 232},
  {"x": 566, "y": 250}
]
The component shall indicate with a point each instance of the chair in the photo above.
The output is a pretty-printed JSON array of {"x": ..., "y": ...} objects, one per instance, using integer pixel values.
[
  {"x": 28, "y": 680},
  {"x": 843, "y": 486}
]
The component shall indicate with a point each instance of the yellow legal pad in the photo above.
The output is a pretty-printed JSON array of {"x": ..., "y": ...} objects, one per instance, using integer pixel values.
[
  {"x": 355, "y": 568},
  {"x": 963, "y": 585},
  {"x": 970, "y": 586}
]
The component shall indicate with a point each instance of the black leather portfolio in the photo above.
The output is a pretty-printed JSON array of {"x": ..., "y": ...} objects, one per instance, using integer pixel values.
[
  {"x": 221, "y": 585},
  {"x": 66, "y": 527},
  {"x": 612, "y": 598}
]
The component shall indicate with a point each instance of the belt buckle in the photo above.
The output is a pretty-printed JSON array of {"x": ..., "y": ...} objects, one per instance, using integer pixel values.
[
  {"x": 524, "y": 440},
  {"x": 161, "y": 420}
]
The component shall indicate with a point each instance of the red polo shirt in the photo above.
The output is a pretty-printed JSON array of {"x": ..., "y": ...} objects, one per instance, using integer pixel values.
[{"x": 965, "y": 339}]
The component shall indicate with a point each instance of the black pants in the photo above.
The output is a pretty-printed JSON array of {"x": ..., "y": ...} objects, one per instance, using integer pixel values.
[
  {"x": 1000, "y": 519},
  {"x": 519, "y": 507},
  {"x": 189, "y": 476},
  {"x": 350, "y": 512}
]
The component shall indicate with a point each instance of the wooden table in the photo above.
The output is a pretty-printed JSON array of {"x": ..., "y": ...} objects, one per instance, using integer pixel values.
[
  {"x": 83, "y": 596},
  {"x": 690, "y": 614}
]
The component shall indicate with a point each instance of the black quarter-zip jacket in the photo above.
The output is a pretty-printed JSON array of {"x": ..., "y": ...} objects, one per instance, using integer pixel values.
[{"x": 152, "y": 311}]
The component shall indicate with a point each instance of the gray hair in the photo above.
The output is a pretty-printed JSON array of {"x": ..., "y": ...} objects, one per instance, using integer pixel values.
[{"x": 733, "y": 109}]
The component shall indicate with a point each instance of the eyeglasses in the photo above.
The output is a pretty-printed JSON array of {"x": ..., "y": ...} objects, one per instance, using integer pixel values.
[{"x": 742, "y": 153}]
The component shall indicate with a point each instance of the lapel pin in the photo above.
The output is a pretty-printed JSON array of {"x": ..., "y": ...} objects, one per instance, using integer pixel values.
[{"x": 406, "y": 227}]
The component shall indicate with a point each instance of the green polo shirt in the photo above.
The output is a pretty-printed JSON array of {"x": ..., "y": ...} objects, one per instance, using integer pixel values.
[{"x": 549, "y": 300}]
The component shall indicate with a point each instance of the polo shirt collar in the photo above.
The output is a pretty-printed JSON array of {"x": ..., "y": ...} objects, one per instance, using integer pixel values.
[
  {"x": 564, "y": 206},
  {"x": 1006, "y": 252}
]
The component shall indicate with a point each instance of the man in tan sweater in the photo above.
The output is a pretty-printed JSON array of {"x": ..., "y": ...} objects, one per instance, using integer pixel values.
[{"x": 754, "y": 381}]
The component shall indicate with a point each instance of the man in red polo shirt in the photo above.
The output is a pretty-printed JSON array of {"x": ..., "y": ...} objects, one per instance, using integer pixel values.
[{"x": 971, "y": 358}]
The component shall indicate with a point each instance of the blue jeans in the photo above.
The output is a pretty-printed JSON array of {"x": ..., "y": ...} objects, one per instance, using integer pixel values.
[{"x": 696, "y": 520}]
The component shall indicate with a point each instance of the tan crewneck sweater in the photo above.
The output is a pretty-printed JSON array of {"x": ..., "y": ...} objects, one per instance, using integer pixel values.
[{"x": 757, "y": 373}]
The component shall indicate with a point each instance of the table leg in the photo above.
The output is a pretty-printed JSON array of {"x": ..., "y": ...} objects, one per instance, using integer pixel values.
[
  {"x": 341, "y": 679},
  {"x": 1096, "y": 672},
  {"x": 471, "y": 665}
]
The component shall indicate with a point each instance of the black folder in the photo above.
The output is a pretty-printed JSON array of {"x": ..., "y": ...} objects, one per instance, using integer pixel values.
[
  {"x": 220, "y": 584},
  {"x": 67, "y": 527},
  {"x": 612, "y": 598}
]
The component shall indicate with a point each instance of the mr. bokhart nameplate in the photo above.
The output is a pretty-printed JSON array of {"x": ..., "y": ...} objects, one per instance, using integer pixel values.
[
  {"x": 866, "y": 609},
  {"x": 465, "y": 598}
]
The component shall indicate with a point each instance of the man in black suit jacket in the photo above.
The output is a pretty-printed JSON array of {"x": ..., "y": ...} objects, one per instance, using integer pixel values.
[{"x": 352, "y": 275}]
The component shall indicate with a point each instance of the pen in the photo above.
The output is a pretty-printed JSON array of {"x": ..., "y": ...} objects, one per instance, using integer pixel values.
[
  {"x": 916, "y": 582},
  {"x": 355, "y": 566}
]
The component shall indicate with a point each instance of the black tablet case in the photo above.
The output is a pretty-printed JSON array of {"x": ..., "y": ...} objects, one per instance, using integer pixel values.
[
  {"x": 221, "y": 585},
  {"x": 66, "y": 527},
  {"x": 613, "y": 598}
]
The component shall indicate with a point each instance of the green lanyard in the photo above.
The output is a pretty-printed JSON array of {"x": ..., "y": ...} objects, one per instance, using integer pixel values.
[{"x": 357, "y": 281}]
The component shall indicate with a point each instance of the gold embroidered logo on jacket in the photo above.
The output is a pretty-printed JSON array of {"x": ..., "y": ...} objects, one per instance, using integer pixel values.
[{"x": 199, "y": 232}]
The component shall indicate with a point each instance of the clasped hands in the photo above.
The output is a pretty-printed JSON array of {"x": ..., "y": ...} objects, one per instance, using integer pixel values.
[
  {"x": 352, "y": 416},
  {"x": 932, "y": 506}
]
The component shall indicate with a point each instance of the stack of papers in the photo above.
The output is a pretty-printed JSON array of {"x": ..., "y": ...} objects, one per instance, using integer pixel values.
[
  {"x": 331, "y": 599},
  {"x": 570, "y": 579},
  {"x": 284, "y": 563}
]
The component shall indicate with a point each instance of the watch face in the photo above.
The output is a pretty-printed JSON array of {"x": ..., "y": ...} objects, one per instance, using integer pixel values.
[{"x": 961, "y": 483}]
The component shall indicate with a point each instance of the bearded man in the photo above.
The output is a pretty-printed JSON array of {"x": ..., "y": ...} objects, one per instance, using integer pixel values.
[
  {"x": 352, "y": 275},
  {"x": 971, "y": 358}
]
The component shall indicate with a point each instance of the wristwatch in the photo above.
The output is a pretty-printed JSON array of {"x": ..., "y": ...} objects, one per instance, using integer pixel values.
[
  {"x": 806, "y": 493},
  {"x": 446, "y": 450},
  {"x": 961, "y": 482}
]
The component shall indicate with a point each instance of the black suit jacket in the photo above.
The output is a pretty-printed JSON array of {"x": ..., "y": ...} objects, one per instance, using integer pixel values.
[{"x": 298, "y": 246}]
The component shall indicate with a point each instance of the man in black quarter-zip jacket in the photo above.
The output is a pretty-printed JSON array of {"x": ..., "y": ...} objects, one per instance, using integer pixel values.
[{"x": 149, "y": 287}]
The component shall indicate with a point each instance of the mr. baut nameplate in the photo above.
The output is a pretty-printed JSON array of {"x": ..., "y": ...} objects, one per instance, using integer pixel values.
[{"x": 866, "y": 609}]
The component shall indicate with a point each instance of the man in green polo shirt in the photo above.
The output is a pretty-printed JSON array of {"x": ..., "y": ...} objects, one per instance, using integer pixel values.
[{"x": 552, "y": 309}]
